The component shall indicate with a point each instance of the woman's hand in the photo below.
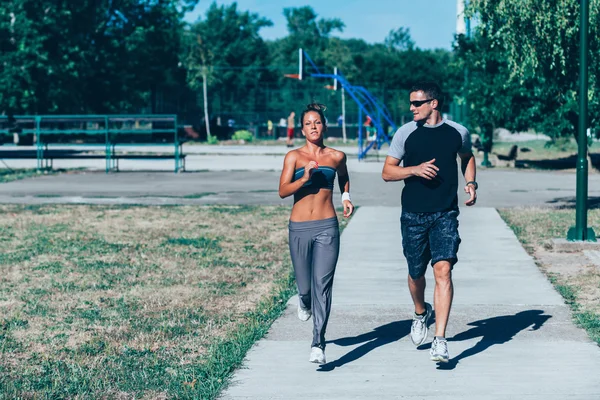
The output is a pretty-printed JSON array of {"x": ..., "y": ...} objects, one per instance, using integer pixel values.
[
  {"x": 348, "y": 208},
  {"x": 308, "y": 169}
]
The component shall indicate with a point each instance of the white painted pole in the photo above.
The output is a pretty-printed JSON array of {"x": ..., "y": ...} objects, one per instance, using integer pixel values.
[
  {"x": 204, "y": 90},
  {"x": 335, "y": 79},
  {"x": 343, "y": 115},
  {"x": 300, "y": 58},
  {"x": 461, "y": 26}
]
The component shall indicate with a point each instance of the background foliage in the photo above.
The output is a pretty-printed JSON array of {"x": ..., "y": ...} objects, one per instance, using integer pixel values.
[{"x": 139, "y": 56}]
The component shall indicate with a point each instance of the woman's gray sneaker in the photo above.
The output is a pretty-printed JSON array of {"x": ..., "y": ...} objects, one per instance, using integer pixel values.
[{"x": 418, "y": 329}]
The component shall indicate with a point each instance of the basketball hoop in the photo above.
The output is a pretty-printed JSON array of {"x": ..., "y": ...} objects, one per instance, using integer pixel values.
[{"x": 293, "y": 76}]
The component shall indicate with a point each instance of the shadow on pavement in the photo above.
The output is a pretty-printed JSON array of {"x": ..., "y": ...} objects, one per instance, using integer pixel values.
[
  {"x": 493, "y": 331},
  {"x": 378, "y": 337},
  {"x": 557, "y": 163},
  {"x": 571, "y": 202}
]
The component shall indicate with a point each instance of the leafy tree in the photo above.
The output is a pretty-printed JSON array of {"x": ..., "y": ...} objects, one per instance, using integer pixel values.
[
  {"x": 539, "y": 43},
  {"x": 399, "y": 39},
  {"x": 88, "y": 56},
  {"x": 227, "y": 42}
]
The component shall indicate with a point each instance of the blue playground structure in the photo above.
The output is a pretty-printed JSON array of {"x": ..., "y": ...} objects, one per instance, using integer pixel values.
[{"x": 368, "y": 105}]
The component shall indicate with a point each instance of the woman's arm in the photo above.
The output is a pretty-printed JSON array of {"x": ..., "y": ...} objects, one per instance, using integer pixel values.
[
  {"x": 286, "y": 186},
  {"x": 344, "y": 182}
]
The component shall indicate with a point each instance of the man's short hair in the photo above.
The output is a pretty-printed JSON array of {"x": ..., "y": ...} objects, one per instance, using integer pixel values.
[{"x": 431, "y": 89}]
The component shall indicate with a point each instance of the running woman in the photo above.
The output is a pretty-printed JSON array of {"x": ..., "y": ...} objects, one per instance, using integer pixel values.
[{"x": 314, "y": 239}]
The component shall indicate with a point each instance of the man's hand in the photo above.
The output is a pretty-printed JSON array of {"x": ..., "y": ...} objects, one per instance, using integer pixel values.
[
  {"x": 470, "y": 190},
  {"x": 426, "y": 170}
]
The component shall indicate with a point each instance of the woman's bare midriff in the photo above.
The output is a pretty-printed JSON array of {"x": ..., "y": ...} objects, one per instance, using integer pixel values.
[{"x": 314, "y": 207}]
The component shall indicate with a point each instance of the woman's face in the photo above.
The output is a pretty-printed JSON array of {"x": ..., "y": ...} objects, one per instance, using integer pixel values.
[{"x": 313, "y": 127}]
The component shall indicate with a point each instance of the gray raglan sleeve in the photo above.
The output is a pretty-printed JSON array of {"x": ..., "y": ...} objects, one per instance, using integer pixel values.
[
  {"x": 465, "y": 137},
  {"x": 466, "y": 142},
  {"x": 397, "y": 146}
]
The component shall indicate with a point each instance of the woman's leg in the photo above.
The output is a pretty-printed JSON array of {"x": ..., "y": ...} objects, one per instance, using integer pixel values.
[
  {"x": 301, "y": 253},
  {"x": 326, "y": 248}
]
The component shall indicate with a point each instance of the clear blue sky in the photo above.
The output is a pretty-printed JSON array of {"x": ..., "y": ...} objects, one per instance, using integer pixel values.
[{"x": 431, "y": 22}]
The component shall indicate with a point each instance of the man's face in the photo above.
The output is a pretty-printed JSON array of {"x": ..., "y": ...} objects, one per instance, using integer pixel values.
[{"x": 421, "y": 106}]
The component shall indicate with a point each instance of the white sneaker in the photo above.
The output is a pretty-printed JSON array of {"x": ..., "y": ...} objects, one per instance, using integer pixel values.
[
  {"x": 439, "y": 350},
  {"x": 303, "y": 315},
  {"x": 317, "y": 355},
  {"x": 418, "y": 329}
]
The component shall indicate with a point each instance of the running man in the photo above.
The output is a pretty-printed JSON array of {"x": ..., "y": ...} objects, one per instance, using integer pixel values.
[{"x": 428, "y": 147}]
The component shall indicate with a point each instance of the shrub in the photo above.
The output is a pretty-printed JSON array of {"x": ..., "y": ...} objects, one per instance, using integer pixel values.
[
  {"x": 244, "y": 135},
  {"x": 212, "y": 140}
]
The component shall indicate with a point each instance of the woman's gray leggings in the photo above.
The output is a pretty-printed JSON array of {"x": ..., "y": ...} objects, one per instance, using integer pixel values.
[{"x": 314, "y": 248}]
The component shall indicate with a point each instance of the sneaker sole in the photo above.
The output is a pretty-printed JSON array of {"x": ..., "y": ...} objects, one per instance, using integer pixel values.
[
  {"x": 439, "y": 359},
  {"x": 317, "y": 362}
]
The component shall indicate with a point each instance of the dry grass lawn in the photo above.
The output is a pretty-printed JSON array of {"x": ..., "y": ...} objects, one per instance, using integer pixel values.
[{"x": 128, "y": 302}]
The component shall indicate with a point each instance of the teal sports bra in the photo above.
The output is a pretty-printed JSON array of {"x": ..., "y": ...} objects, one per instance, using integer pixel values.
[{"x": 321, "y": 178}]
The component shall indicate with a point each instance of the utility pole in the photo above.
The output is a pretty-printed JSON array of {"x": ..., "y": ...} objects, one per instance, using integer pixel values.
[
  {"x": 204, "y": 91},
  {"x": 581, "y": 231},
  {"x": 463, "y": 26},
  {"x": 335, "y": 86}
]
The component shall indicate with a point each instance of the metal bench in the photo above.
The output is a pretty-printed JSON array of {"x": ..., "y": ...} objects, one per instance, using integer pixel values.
[{"x": 109, "y": 130}]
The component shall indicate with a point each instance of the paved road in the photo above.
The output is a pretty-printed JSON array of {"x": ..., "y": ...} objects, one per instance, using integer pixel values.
[
  {"x": 498, "y": 188},
  {"x": 510, "y": 334},
  {"x": 250, "y": 175}
]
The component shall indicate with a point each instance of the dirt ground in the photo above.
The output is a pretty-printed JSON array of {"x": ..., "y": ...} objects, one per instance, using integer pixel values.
[{"x": 575, "y": 269}]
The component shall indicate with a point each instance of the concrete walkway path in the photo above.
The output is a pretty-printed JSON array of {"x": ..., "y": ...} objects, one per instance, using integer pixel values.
[{"x": 510, "y": 333}]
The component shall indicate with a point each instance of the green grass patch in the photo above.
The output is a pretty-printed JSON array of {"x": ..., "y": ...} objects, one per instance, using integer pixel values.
[
  {"x": 10, "y": 175},
  {"x": 590, "y": 322}
]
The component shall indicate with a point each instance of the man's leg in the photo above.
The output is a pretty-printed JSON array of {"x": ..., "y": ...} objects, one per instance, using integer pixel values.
[
  {"x": 417, "y": 291},
  {"x": 415, "y": 246},
  {"x": 444, "y": 240},
  {"x": 415, "y": 243},
  {"x": 442, "y": 295}
]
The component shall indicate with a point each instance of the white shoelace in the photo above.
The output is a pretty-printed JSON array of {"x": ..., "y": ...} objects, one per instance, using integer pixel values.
[
  {"x": 418, "y": 325},
  {"x": 440, "y": 346}
]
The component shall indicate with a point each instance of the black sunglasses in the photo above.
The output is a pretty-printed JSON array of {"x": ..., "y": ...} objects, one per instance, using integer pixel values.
[{"x": 419, "y": 103}]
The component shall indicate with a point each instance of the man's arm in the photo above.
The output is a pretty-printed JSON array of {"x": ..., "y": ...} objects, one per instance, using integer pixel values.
[
  {"x": 392, "y": 171},
  {"x": 469, "y": 170}
]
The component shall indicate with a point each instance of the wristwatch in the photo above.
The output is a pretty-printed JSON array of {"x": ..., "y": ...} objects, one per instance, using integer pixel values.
[{"x": 472, "y": 183}]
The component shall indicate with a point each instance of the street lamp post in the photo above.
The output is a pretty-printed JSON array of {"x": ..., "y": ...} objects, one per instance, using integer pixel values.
[
  {"x": 581, "y": 231},
  {"x": 463, "y": 25}
]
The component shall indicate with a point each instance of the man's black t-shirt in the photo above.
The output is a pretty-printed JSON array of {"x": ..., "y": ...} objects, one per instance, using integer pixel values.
[{"x": 415, "y": 143}]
